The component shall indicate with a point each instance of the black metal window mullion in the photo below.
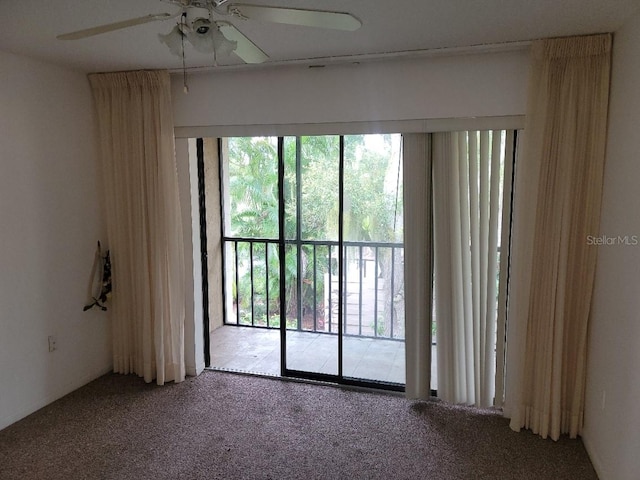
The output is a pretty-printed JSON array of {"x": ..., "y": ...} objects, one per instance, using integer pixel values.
[
  {"x": 282, "y": 255},
  {"x": 340, "y": 259},
  {"x": 299, "y": 231},
  {"x": 223, "y": 253},
  {"x": 203, "y": 249}
]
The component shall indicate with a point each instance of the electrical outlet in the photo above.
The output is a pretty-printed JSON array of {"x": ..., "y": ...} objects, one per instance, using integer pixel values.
[{"x": 53, "y": 345}]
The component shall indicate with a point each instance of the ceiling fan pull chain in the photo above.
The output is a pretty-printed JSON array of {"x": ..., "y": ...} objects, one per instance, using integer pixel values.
[{"x": 185, "y": 87}]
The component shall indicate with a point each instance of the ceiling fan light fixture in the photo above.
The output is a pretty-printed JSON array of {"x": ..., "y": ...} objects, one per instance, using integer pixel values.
[
  {"x": 201, "y": 26},
  {"x": 222, "y": 44},
  {"x": 211, "y": 41},
  {"x": 173, "y": 40}
]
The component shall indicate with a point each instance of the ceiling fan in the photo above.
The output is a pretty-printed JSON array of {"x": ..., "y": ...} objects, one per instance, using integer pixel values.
[{"x": 203, "y": 24}]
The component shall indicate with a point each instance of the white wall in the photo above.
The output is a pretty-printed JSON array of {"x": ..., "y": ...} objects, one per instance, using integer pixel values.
[
  {"x": 480, "y": 85},
  {"x": 50, "y": 220},
  {"x": 612, "y": 420}
]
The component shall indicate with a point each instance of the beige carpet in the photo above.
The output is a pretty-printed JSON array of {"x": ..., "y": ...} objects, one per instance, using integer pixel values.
[{"x": 228, "y": 426}]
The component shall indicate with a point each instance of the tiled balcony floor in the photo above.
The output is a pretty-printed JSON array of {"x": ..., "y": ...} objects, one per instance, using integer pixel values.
[{"x": 257, "y": 350}]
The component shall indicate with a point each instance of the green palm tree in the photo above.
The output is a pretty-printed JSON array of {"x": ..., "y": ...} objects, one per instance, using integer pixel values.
[{"x": 252, "y": 167}]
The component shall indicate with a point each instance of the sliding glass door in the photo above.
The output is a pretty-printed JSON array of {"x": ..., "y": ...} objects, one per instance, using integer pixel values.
[
  {"x": 310, "y": 196},
  {"x": 313, "y": 257},
  {"x": 373, "y": 259},
  {"x": 342, "y": 241},
  {"x": 311, "y": 238}
]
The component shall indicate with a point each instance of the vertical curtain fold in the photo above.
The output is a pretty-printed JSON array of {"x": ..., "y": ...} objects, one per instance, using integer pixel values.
[
  {"x": 563, "y": 155},
  {"x": 467, "y": 187},
  {"x": 417, "y": 263},
  {"x": 143, "y": 223},
  {"x": 453, "y": 185}
]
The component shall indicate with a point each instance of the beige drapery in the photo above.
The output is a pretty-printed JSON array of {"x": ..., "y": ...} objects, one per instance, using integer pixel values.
[
  {"x": 467, "y": 188},
  {"x": 558, "y": 193},
  {"x": 143, "y": 222},
  {"x": 417, "y": 263}
]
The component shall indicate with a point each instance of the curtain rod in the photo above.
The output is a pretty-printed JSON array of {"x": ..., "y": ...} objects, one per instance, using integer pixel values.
[{"x": 320, "y": 62}]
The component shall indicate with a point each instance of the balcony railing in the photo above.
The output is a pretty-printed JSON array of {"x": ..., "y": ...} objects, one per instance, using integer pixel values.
[{"x": 372, "y": 287}]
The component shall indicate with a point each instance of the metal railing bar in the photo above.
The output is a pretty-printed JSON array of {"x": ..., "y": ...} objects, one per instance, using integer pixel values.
[
  {"x": 330, "y": 286},
  {"x": 360, "y": 272},
  {"x": 375, "y": 295},
  {"x": 250, "y": 240},
  {"x": 235, "y": 252},
  {"x": 346, "y": 243},
  {"x": 316, "y": 252},
  {"x": 299, "y": 285},
  {"x": 392, "y": 293},
  {"x": 350, "y": 335},
  {"x": 266, "y": 280},
  {"x": 344, "y": 291},
  {"x": 315, "y": 291},
  {"x": 253, "y": 316},
  {"x": 350, "y": 243}
]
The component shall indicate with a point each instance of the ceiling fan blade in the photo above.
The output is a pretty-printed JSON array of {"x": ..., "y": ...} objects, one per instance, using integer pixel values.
[
  {"x": 245, "y": 48},
  {"x": 90, "y": 32},
  {"x": 297, "y": 16}
]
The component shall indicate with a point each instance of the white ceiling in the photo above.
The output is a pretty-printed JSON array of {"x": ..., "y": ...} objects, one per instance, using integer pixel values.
[{"x": 29, "y": 27}]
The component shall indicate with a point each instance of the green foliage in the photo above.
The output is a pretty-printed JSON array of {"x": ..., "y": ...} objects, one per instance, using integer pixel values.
[
  {"x": 253, "y": 186},
  {"x": 379, "y": 328},
  {"x": 370, "y": 208}
]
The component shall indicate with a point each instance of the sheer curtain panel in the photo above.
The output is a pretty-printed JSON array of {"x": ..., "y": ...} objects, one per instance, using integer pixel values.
[
  {"x": 557, "y": 206},
  {"x": 143, "y": 222},
  {"x": 467, "y": 201}
]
